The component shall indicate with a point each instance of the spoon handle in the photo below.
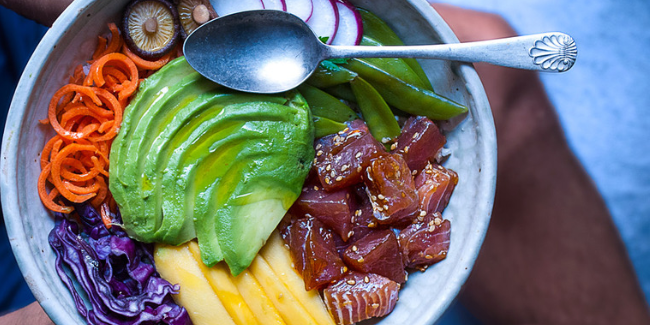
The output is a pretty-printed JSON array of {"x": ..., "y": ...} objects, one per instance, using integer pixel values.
[{"x": 553, "y": 52}]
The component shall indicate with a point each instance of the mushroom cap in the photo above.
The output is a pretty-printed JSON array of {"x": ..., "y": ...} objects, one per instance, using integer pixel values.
[{"x": 151, "y": 28}]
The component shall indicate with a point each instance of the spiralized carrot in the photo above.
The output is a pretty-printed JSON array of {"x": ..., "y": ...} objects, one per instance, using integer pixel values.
[{"x": 87, "y": 114}]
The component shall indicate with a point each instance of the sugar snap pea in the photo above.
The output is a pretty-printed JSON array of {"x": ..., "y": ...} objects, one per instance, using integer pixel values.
[
  {"x": 323, "y": 78},
  {"x": 374, "y": 110},
  {"x": 395, "y": 66},
  {"x": 323, "y": 104},
  {"x": 377, "y": 29},
  {"x": 406, "y": 97},
  {"x": 324, "y": 126},
  {"x": 342, "y": 91}
]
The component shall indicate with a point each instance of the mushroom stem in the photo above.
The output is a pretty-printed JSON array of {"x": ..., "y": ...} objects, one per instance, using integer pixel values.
[
  {"x": 150, "y": 25},
  {"x": 200, "y": 14}
]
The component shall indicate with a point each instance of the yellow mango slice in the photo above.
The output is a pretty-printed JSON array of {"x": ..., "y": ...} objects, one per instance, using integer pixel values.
[
  {"x": 278, "y": 258},
  {"x": 178, "y": 266},
  {"x": 224, "y": 288},
  {"x": 290, "y": 309},
  {"x": 259, "y": 303}
]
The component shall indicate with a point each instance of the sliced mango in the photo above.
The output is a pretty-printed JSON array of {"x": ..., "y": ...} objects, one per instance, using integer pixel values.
[
  {"x": 279, "y": 259},
  {"x": 290, "y": 309},
  {"x": 257, "y": 300},
  {"x": 178, "y": 266},
  {"x": 222, "y": 285}
]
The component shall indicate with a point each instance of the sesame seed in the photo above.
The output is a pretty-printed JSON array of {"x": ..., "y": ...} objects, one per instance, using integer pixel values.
[
  {"x": 359, "y": 169},
  {"x": 380, "y": 209},
  {"x": 351, "y": 233},
  {"x": 354, "y": 248},
  {"x": 358, "y": 213},
  {"x": 327, "y": 180},
  {"x": 319, "y": 153},
  {"x": 351, "y": 282},
  {"x": 415, "y": 172},
  {"x": 423, "y": 213},
  {"x": 431, "y": 228},
  {"x": 345, "y": 167},
  {"x": 375, "y": 305},
  {"x": 416, "y": 135},
  {"x": 431, "y": 223},
  {"x": 372, "y": 225},
  {"x": 340, "y": 178},
  {"x": 374, "y": 198},
  {"x": 366, "y": 279},
  {"x": 429, "y": 257},
  {"x": 385, "y": 140},
  {"x": 352, "y": 219},
  {"x": 360, "y": 260},
  {"x": 406, "y": 149},
  {"x": 393, "y": 146},
  {"x": 318, "y": 146},
  {"x": 328, "y": 167},
  {"x": 333, "y": 174},
  {"x": 428, "y": 171},
  {"x": 316, "y": 188},
  {"x": 403, "y": 195},
  {"x": 385, "y": 207},
  {"x": 437, "y": 221},
  {"x": 381, "y": 197},
  {"x": 315, "y": 161},
  {"x": 358, "y": 155},
  {"x": 345, "y": 269}
]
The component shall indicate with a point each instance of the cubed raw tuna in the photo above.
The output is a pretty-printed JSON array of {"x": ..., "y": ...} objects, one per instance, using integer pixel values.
[
  {"x": 313, "y": 251},
  {"x": 391, "y": 190},
  {"x": 435, "y": 185},
  {"x": 332, "y": 208},
  {"x": 425, "y": 242},
  {"x": 378, "y": 252},
  {"x": 419, "y": 142},
  {"x": 341, "y": 158},
  {"x": 359, "y": 296}
]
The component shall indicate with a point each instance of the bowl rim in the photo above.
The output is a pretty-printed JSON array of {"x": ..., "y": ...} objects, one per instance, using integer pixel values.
[{"x": 17, "y": 113}]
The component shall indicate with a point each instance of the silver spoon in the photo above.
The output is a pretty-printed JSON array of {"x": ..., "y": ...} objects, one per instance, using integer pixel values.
[{"x": 268, "y": 51}]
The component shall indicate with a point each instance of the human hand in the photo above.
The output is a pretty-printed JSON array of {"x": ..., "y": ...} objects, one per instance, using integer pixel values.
[{"x": 32, "y": 315}]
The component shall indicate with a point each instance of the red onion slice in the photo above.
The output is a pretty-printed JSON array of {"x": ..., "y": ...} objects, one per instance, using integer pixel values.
[
  {"x": 325, "y": 19},
  {"x": 301, "y": 8},
  {"x": 275, "y": 5}
]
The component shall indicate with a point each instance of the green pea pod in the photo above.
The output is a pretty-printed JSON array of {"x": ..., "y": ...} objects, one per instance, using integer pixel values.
[
  {"x": 342, "y": 91},
  {"x": 324, "y": 126},
  {"x": 395, "y": 66},
  {"x": 378, "y": 116},
  {"x": 323, "y": 78},
  {"x": 377, "y": 29},
  {"x": 323, "y": 104},
  {"x": 406, "y": 97}
]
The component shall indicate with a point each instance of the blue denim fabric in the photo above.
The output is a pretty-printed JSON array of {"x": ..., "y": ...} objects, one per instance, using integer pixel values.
[{"x": 18, "y": 38}]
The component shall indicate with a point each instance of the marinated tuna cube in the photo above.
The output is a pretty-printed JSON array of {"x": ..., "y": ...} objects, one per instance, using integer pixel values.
[
  {"x": 391, "y": 190},
  {"x": 435, "y": 185},
  {"x": 359, "y": 296},
  {"x": 341, "y": 158},
  {"x": 363, "y": 214},
  {"x": 334, "y": 208},
  {"x": 313, "y": 251},
  {"x": 419, "y": 142},
  {"x": 378, "y": 252},
  {"x": 425, "y": 242}
]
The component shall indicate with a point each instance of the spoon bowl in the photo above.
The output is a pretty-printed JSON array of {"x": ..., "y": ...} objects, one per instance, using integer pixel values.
[{"x": 262, "y": 51}]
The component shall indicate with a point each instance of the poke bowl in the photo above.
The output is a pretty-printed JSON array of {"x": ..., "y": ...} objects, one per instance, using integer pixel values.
[{"x": 470, "y": 146}]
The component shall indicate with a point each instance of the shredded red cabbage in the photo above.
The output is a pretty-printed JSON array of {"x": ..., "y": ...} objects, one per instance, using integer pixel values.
[{"x": 115, "y": 273}]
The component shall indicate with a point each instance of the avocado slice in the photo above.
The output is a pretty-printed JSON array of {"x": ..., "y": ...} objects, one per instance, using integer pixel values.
[
  {"x": 194, "y": 159},
  {"x": 151, "y": 90}
]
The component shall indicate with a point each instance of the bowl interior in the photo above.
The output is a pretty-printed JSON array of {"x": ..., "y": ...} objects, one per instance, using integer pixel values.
[{"x": 72, "y": 40}]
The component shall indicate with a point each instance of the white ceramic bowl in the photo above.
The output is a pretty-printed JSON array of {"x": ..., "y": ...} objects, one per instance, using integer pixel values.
[{"x": 72, "y": 40}]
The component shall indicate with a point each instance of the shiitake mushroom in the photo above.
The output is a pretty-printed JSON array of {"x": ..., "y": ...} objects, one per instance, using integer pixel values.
[
  {"x": 194, "y": 13},
  {"x": 151, "y": 28}
]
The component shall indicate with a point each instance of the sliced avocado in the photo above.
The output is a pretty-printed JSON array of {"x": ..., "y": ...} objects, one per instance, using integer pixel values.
[
  {"x": 151, "y": 90},
  {"x": 197, "y": 160}
]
